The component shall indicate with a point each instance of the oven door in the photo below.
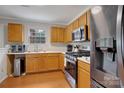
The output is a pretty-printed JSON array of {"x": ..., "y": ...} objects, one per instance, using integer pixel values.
[
  {"x": 71, "y": 69},
  {"x": 70, "y": 72}
]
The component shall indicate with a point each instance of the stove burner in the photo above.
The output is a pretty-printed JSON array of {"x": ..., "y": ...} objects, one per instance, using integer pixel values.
[{"x": 79, "y": 54}]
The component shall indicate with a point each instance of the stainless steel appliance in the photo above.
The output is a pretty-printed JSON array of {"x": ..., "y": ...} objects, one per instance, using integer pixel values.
[
  {"x": 17, "y": 48},
  {"x": 17, "y": 67},
  {"x": 69, "y": 48},
  {"x": 107, "y": 46},
  {"x": 71, "y": 66},
  {"x": 79, "y": 34}
]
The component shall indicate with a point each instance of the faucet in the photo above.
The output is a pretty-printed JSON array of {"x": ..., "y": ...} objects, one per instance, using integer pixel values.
[{"x": 36, "y": 48}]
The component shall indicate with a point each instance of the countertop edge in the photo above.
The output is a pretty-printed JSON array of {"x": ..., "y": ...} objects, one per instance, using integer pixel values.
[
  {"x": 36, "y": 52},
  {"x": 86, "y": 61}
]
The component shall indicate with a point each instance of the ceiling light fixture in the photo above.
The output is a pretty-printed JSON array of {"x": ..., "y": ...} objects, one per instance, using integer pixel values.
[{"x": 96, "y": 9}]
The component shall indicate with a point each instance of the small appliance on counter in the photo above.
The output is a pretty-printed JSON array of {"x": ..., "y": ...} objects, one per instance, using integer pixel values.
[
  {"x": 69, "y": 48},
  {"x": 17, "y": 48},
  {"x": 76, "y": 48}
]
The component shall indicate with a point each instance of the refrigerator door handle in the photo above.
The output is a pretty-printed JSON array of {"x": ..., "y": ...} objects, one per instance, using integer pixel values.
[
  {"x": 122, "y": 41},
  {"x": 119, "y": 36}
]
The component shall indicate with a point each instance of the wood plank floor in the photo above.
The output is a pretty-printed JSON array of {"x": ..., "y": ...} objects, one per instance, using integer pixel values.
[{"x": 54, "y": 79}]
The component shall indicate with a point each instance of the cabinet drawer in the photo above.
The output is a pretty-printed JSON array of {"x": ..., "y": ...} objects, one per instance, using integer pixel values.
[
  {"x": 84, "y": 65},
  {"x": 33, "y": 55},
  {"x": 52, "y": 54}
]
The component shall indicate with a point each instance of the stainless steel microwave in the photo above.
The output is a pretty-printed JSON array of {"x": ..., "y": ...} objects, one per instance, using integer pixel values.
[{"x": 80, "y": 34}]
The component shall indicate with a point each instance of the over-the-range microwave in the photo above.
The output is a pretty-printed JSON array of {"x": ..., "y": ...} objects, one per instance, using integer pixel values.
[{"x": 80, "y": 34}]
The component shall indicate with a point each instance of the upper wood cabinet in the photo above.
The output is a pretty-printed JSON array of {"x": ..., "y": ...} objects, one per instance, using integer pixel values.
[
  {"x": 76, "y": 24},
  {"x": 83, "y": 20},
  {"x": 54, "y": 34},
  {"x": 57, "y": 34},
  {"x": 15, "y": 32},
  {"x": 68, "y": 34},
  {"x": 61, "y": 32}
]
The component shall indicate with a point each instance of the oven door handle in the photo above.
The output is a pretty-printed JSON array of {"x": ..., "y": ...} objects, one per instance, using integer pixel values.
[{"x": 70, "y": 61}]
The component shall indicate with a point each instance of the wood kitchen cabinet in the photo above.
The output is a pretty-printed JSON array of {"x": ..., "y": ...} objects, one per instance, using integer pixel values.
[
  {"x": 83, "y": 20},
  {"x": 61, "y": 61},
  {"x": 68, "y": 34},
  {"x": 44, "y": 62},
  {"x": 52, "y": 61},
  {"x": 54, "y": 34},
  {"x": 83, "y": 75},
  {"x": 41, "y": 63},
  {"x": 57, "y": 34},
  {"x": 15, "y": 32},
  {"x": 34, "y": 63},
  {"x": 61, "y": 32},
  {"x": 76, "y": 24}
]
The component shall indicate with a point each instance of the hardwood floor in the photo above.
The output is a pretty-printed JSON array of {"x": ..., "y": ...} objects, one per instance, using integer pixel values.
[{"x": 54, "y": 79}]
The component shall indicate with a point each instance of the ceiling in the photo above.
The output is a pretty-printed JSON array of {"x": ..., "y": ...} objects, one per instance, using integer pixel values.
[{"x": 52, "y": 14}]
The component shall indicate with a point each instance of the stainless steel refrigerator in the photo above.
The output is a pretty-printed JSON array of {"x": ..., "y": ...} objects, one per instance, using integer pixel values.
[{"x": 107, "y": 46}]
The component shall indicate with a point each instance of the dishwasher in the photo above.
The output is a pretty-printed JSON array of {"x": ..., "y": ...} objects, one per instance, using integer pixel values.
[{"x": 19, "y": 67}]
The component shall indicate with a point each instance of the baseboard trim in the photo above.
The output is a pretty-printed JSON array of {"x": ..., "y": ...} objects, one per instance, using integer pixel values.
[{"x": 5, "y": 77}]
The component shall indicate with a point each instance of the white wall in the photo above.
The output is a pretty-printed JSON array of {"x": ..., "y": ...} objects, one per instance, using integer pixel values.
[
  {"x": 3, "y": 64},
  {"x": 27, "y": 25},
  {"x": 3, "y": 52},
  {"x": 1, "y": 35}
]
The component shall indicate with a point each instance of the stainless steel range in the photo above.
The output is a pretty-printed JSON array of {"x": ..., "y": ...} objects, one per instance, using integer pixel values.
[{"x": 71, "y": 66}]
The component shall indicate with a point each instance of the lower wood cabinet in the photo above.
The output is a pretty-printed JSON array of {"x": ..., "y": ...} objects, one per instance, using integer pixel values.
[
  {"x": 52, "y": 61},
  {"x": 34, "y": 63},
  {"x": 83, "y": 75},
  {"x": 44, "y": 62}
]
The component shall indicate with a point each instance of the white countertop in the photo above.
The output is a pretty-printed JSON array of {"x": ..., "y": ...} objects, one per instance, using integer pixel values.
[
  {"x": 84, "y": 59},
  {"x": 36, "y": 52}
]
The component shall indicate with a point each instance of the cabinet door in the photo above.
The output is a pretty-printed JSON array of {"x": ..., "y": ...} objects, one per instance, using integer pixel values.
[
  {"x": 61, "y": 61},
  {"x": 82, "y": 20},
  {"x": 68, "y": 34},
  {"x": 83, "y": 78},
  {"x": 54, "y": 34},
  {"x": 52, "y": 62},
  {"x": 76, "y": 24},
  {"x": 31, "y": 65},
  {"x": 15, "y": 33},
  {"x": 60, "y": 34},
  {"x": 57, "y": 34},
  {"x": 41, "y": 63}
]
